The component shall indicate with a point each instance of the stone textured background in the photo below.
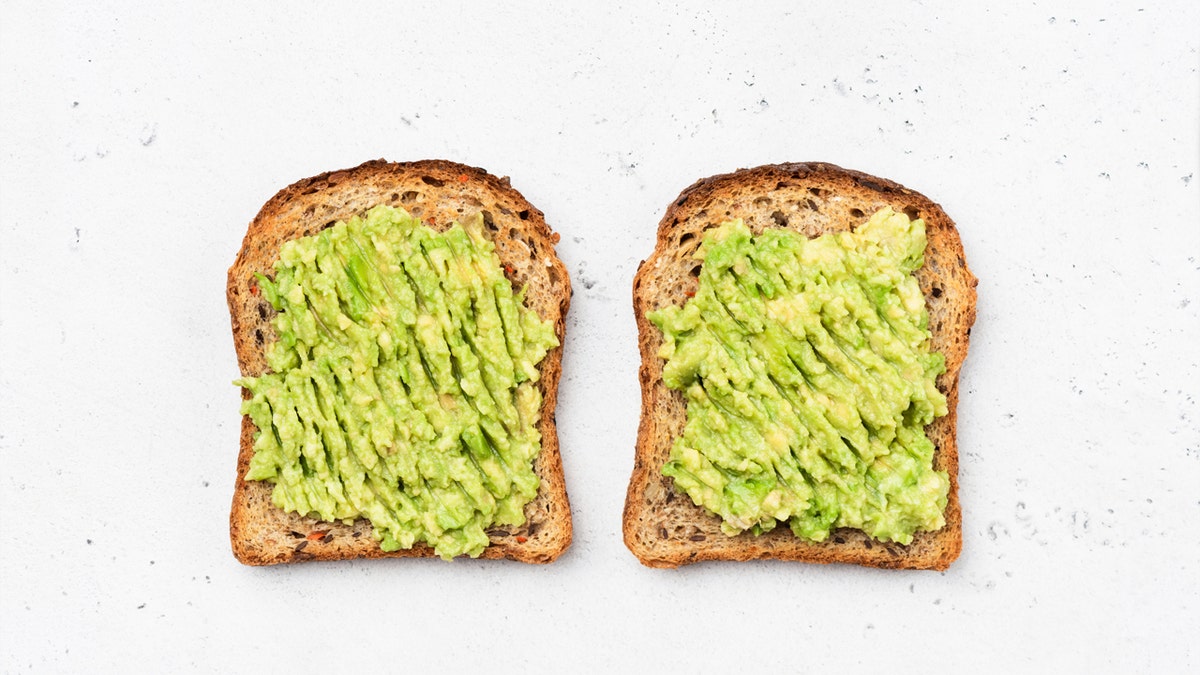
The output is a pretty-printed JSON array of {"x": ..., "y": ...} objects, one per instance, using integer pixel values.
[{"x": 139, "y": 139}]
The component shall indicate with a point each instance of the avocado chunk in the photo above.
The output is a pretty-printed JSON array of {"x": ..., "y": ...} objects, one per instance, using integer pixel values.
[
  {"x": 402, "y": 385},
  {"x": 808, "y": 379}
]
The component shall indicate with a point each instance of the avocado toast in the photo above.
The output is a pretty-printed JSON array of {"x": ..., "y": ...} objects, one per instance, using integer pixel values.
[
  {"x": 663, "y": 526},
  {"x": 469, "y": 221}
]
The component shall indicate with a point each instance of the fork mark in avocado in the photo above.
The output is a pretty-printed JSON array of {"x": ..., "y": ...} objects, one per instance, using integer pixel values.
[
  {"x": 808, "y": 378},
  {"x": 403, "y": 383}
]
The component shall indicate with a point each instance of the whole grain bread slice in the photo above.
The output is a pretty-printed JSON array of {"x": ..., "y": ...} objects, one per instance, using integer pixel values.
[
  {"x": 662, "y": 527},
  {"x": 438, "y": 192}
]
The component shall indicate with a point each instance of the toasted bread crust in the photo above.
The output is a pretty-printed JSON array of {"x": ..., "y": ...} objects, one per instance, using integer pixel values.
[
  {"x": 664, "y": 528},
  {"x": 439, "y": 192}
]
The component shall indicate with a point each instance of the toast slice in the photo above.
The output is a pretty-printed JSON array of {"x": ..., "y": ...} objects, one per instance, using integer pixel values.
[
  {"x": 437, "y": 192},
  {"x": 662, "y": 526}
]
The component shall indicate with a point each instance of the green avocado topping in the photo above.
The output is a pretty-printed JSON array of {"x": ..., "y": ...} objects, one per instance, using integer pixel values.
[
  {"x": 808, "y": 377},
  {"x": 402, "y": 385}
]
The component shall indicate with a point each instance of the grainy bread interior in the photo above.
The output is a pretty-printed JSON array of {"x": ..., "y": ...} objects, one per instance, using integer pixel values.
[
  {"x": 662, "y": 527},
  {"x": 438, "y": 192}
]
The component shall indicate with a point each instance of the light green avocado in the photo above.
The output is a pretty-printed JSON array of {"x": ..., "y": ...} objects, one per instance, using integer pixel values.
[
  {"x": 402, "y": 385},
  {"x": 809, "y": 380}
]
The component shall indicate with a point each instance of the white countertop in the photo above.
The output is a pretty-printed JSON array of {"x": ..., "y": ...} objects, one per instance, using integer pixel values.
[{"x": 139, "y": 140}]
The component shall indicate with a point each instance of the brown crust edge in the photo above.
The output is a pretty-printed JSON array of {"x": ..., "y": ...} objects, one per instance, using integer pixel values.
[
  {"x": 826, "y": 552},
  {"x": 553, "y": 478}
]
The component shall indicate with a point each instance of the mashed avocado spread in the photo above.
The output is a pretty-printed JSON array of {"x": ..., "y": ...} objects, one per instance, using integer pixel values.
[
  {"x": 402, "y": 385},
  {"x": 809, "y": 380}
]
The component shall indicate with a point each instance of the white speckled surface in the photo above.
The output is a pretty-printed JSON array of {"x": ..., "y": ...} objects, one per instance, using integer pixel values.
[{"x": 137, "y": 141}]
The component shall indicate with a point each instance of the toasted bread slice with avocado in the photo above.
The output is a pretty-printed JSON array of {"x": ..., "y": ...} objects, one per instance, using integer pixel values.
[
  {"x": 662, "y": 526},
  {"x": 439, "y": 193}
]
